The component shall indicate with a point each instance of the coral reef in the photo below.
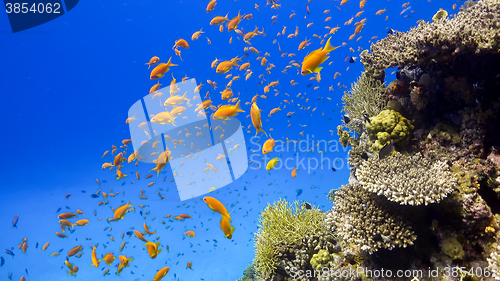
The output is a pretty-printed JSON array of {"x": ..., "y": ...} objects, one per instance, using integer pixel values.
[
  {"x": 435, "y": 202},
  {"x": 388, "y": 126},
  {"x": 408, "y": 180},
  {"x": 473, "y": 30},
  {"x": 284, "y": 225},
  {"x": 365, "y": 97},
  {"x": 368, "y": 220}
]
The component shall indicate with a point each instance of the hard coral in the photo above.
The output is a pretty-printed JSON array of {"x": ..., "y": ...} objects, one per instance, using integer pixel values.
[
  {"x": 473, "y": 30},
  {"x": 369, "y": 220},
  {"x": 408, "y": 180},
  {"x": 389, "y": 126},
  {"x": 283, "y": 223},
  {"x": 367, "y": 96}
]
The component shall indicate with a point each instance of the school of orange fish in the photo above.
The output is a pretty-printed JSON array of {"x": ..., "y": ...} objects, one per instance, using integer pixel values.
[{"x": 311, "y": 64}]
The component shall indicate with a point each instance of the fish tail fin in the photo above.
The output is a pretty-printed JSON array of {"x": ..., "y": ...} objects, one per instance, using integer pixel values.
[
  {"x": 260, "y": 130},
  {"x": 328, "y": 46},
  {"x": 238, "y": 108},
  {"x": 169, "y": 63},
  {"x": 148, "y": 65},
  {"x": 157, "y": 171}
]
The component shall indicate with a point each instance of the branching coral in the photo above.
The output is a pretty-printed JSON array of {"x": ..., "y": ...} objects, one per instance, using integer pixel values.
[
  {"x": 494, "y": 263},
  {"x": 473, "y": 30},
  {"x": 368, "y": 220},
  {"x": 366, "y": 96},
  {"x": 283, "y": 223},
  {"x": 409, "y": 180}
]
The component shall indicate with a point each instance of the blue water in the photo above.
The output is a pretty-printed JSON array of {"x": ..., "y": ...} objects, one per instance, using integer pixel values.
[{"x": 66, "y": 88}]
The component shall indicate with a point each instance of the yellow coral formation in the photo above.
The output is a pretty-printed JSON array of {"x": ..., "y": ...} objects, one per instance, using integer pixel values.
[
  {"x": 389, "y": 126},
  {"x": 322, "y": 259}
]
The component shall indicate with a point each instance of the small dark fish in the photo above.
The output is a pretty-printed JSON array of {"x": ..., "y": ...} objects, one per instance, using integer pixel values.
[
  {"x": 386, "y": 150},
  {"x": 2, "y": 261},
  {"x": 352, "y": 59},
  {"x": 130, "y": 232},
  {"x": 83, "y": 191},
  {"x": 299, "y": 192},
  {"x": 141, "y": 211},
  {"x": 307, "y": 9},
  {"x": 391, "y": 32},
  {"x": 308, "y": 206},
  {"x": 104, "y": 181},
  {"x": 9, "y": 252},
  {"x": 68, "y": 208},
  {"x": 58, "y": 210},
  {"x": 36, "y": 245},
  {"x": 367, "y": 119},
  {"x": 309, "y": 85},
  {"x": 245, "y": 55},
  {"x": 61, "y": 250},
  {"x": 333, "y": 169},
  {"x": 10, "y": 275},
  {"x": 15, "y": 220},
  {"x": 26, "y": 271},
  {"x": 347, "y": 118},
  {"x": 94, "y": 196}
]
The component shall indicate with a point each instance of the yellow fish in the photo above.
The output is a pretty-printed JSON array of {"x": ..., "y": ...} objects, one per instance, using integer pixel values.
[
  {"x": 315, "y": 58},
  {"x": 270, "y": 165}
]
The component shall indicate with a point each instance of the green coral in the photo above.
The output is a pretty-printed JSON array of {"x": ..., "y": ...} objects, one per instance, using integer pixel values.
[
  {"x": 367, "y": 96},
  {"x": 331, "y": 194},
  {"x": 283, "y": 223},
  {"x": 321, "y": 259},
  {"x": 248, "y": 273},
  {"x": 389, "y": 126}
]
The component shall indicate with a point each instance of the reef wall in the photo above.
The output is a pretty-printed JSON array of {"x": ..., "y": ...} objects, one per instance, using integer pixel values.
[{"x": 424, "y": 191}]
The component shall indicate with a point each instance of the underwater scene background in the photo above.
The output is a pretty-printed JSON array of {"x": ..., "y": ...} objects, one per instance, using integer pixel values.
[{"x": 387, "y": 151}]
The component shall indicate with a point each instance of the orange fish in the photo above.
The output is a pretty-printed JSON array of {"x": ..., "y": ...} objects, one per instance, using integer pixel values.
[
  {"x": 216, "y": 206},
  {"x": 162, "y": 272},
  {"x": 226, "y": 111},
  {"x": 312, "y": 61},
  {"x": 189, "y": 265},
  {"x": 256, "y": 118},
  {"x": 233, "y": 24},
  {"x": 211, "y": 5},
  {"x": 268, "y": 146},
  {"x": 160, "y": 70},
  {"x": 226, "y": 227},
  {"x": 225, "y": 66},
  {"x": 181, "y": 43},
  {"x": 152, "y": 248},
  {"x": 153, "y": 61},
  {"x": 162, "y": 161},
  {"x": 294, "y": 172},
  {"x": 218, "y": 20},
  {"x": 190, "y": 233}
]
